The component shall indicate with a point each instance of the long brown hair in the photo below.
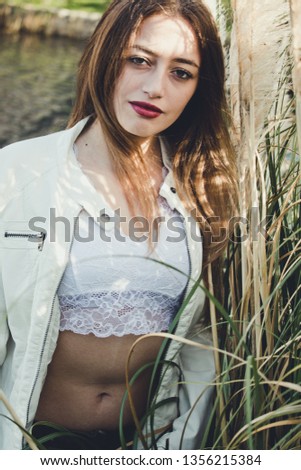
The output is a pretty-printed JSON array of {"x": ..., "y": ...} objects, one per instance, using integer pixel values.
[{"x": 203, "y": 159}]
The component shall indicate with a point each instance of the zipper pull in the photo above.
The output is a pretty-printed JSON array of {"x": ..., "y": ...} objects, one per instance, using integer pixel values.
[{"x": 39, "y": 237}]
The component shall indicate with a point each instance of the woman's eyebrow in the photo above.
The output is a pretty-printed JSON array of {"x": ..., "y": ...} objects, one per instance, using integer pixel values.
[{"x": 180, "y": 60}]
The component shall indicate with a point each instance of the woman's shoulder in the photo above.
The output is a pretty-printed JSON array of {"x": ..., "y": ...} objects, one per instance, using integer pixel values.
[
  {"x": 24, "y": 162},
  {"x": 27, "y": 153},
  {"x": 29, "y": 149},
  {"x": 37, "y": 155}
]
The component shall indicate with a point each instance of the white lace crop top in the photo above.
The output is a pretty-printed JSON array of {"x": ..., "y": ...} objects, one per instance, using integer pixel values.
[{"x": 116, "y": 287}]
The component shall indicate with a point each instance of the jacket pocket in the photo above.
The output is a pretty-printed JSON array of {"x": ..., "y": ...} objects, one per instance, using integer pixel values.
[{"x": 18, "y": 236}]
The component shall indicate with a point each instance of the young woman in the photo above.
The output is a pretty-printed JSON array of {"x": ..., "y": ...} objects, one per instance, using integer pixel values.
[{"x": 101, "y": 237}]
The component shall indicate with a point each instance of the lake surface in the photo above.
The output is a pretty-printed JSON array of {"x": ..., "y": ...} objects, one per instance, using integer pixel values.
[{"x": 37, "y": 85}]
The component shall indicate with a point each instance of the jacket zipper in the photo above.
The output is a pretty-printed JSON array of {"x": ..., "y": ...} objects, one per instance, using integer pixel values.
[
  {"x": 47, "y": 331},
  {"x": 184, "y": 296},
  {"x": 189, "y": 275},
  {"x": 40, "y": 236}
]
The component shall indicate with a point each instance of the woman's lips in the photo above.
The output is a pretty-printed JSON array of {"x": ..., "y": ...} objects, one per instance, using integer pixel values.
[{"x": 146, "y": 109}]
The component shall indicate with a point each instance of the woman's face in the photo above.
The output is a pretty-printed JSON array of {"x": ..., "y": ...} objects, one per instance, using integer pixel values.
[{"x": 159, "y": 77}]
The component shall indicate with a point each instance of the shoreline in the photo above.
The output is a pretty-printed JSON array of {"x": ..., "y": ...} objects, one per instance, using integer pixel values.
[{"x": 75, "y": 24}]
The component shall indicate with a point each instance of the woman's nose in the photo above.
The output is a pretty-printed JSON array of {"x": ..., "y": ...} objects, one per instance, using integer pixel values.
[{"x": 154, "y": 84}]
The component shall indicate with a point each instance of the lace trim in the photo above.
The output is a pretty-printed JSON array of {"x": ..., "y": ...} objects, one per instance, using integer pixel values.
[{"x": 117, "y": 313}]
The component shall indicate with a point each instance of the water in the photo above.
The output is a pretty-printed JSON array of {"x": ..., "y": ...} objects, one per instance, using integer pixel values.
[{"x": 37, "y": 85}]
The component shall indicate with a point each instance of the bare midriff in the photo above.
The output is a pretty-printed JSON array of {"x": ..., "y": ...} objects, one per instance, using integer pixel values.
[{"x": 85, "y": 381}]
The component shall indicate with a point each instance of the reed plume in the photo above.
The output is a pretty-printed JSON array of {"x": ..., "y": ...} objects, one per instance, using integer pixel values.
[
  {"x": 259, "y": 43},
  {"x": 295, "y": 8}
]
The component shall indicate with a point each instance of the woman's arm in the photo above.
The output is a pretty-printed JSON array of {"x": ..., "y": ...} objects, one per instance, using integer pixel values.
[
  {"x": 4, "y": 332},
  {"x": 195, "y": 396}
]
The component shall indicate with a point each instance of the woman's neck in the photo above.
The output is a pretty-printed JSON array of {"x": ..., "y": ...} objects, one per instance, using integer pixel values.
[{"x": 92, "y": 144}]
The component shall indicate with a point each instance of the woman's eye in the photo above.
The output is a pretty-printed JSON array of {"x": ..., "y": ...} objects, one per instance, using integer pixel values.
[
  {"x": 182, "y": 74},
  {"x": 138, "y": 60}
]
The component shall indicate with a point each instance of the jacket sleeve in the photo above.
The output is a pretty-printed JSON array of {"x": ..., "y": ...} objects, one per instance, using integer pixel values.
[
  {"x": 195, "y": 396},
  {"x": 4, "y": 332}
]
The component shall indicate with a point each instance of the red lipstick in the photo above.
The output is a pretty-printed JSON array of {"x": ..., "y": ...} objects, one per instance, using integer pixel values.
[{"x": 145, "y": 109}]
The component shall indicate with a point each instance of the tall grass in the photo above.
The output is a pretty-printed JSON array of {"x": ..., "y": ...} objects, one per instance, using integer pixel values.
[
  {"x": 260, "y": 390},
  {"x": 262, "y": 394}
]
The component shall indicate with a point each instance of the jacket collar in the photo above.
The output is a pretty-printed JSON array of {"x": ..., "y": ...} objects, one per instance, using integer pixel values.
[{"x": 167, "y": 190}]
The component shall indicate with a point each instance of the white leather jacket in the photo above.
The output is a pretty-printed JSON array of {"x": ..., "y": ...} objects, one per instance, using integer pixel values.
[{"x": 39, "y": 176}]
